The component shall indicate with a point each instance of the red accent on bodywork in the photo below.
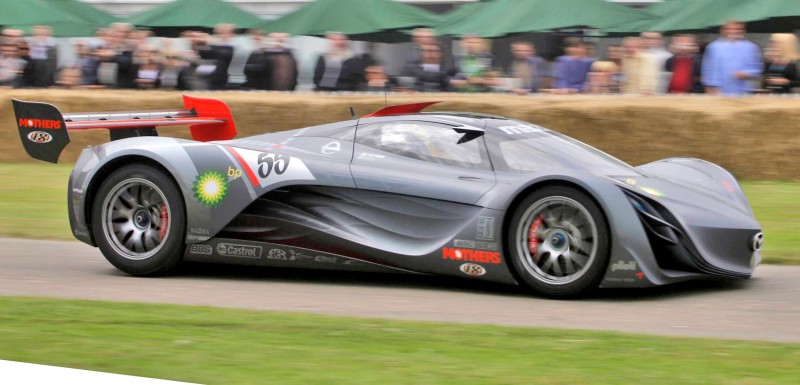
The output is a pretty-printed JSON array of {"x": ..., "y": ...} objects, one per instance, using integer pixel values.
[
  {"x": 727, "y": 185},
  {"x": 400, "y": 109},
  {"x": 214, "y": 109},
  {"x": 247, "y": 170}
]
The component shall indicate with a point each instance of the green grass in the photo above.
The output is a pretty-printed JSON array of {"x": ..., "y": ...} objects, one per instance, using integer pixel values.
[
  {"x": 223, "y": 346},
  {"x": 777, "y": 208},
  {"x": 33, "y": 204},
  {"x": 33, "y": 201}
]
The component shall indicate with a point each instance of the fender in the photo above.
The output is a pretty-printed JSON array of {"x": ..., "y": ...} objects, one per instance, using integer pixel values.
[
  {"x": 235, "y": 174},
  {"x": 698, "y": 174},
  {"x": 629, "y": 243}
]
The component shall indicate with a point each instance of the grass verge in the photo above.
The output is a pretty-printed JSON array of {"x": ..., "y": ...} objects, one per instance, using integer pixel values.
[
  {"x": 223, "y": 346},
  {"x": 33, "y": 201},
  {"x": 777, "y": 208},
  {"x": 33, "y": 204}
]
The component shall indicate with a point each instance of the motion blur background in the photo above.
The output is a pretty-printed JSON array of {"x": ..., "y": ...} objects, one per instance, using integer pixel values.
[
  {"x": 530, "y": 52},
  {"x": 596, "y": 70},
  {"x": 80, "y": 31}
]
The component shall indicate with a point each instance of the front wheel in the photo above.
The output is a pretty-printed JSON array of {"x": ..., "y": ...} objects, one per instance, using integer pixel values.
[
  {"x": 138, "y": 221},
  {"x": 559, "y": 242}
]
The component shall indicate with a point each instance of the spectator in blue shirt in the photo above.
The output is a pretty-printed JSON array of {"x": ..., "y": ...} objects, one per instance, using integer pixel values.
[
  {"x": 731, "y": 62},
  {"x": 571, "y": 70}
]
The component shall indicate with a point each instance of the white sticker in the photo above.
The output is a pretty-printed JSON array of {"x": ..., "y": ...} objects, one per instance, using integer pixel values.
[
  {"x": 331, "y": 148},
  {"x": 266, "y": 168},
  {"x": 40, "y": 137},
  {"x": 472, "y": 270}
]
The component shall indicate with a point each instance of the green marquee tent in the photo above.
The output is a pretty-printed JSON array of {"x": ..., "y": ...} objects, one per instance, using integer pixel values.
[
  {"x": 703, "y": 15},
  {"x": 66, "y": 21},
  {"x": 82, "y": 10},
  {"x": 195, "y": 14},
  {"x": 505, "y": 17},
  {"x": 369, "y": 20},
  {"x": 467, "y": 11}
]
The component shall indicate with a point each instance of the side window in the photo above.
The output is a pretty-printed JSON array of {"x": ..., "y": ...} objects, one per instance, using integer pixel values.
[{"x": 426, "y": 141}]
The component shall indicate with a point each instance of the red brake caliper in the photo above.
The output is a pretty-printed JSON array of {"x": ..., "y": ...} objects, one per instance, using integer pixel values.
[
  {"x": 533, "y": 237},
  {"x": 162, "y": 231}
]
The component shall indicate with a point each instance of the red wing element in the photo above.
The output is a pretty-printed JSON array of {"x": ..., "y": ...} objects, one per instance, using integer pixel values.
[
  {"x": 400, "y": 109},
  {"x": 222, "y": 128}
]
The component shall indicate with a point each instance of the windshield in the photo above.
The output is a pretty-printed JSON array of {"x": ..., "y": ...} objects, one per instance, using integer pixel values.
[{"x": 517, "y": 146}]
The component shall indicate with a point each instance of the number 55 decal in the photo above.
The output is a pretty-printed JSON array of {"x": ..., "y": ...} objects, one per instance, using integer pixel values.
[
  {"x": 266, "y": 168},
  {"x": 268, "y": 162}
]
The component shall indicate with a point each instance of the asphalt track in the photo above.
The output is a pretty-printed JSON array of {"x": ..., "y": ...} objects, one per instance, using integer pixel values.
[{"x": 766, "y": 307}]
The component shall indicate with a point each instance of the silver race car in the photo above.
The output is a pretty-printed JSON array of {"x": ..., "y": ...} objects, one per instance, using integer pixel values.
[{"x": 399, "y": 190}]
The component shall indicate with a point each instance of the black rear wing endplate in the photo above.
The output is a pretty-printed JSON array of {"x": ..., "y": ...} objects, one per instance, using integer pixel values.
[{"x": 43, "y": 129}]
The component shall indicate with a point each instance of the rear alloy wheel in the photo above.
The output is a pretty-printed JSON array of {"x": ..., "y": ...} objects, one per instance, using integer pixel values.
[
  {"x": 138, "y": 221},
  {"x": 559, "y": 242}
]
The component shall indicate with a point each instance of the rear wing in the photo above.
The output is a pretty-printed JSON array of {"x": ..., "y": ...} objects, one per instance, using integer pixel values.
[{"x": 44, "y": 130}]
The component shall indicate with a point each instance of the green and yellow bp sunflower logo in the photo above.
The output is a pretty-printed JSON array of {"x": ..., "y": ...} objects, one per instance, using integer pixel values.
[{"x": 210, "y": 188}]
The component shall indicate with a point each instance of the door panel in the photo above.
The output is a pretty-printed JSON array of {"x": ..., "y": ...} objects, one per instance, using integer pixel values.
[{"x": 422, "y": 159}]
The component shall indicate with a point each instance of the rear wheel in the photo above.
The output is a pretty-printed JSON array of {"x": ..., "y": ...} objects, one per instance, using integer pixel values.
[
  {"x": 138, "y": 221},
  {"x": 559, "y": 242}
]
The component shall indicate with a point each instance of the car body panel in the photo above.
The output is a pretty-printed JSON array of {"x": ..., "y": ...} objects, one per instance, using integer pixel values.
[{"x": 324, "y": 197}]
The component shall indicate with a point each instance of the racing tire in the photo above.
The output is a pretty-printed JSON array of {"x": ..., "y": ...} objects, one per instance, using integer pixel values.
[
  {"x": 559, "y": 242},
  {"x": 139, "y": 221}
]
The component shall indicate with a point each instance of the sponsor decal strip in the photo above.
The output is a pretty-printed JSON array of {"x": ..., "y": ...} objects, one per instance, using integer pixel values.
[
  {"x": 40, "y": 137},
  {"x": 472, "y": 269},
  {"x": 467, "y": 255},
  {"x": 45, "y": 124},
  {"x": 239, "y": 250},
  {"x": 624, "y": 266},
  {"x": 250, "y": 174},
  {"x": 279, "y": 252},
  {"x": 210, "y": 188}
]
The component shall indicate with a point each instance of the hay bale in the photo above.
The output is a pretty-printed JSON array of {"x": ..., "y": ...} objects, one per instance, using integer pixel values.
[{"x": 755, "y": 138}]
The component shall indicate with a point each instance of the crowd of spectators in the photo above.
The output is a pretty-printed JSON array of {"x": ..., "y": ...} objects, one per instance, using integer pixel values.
[{"x": 122, "y": 57}]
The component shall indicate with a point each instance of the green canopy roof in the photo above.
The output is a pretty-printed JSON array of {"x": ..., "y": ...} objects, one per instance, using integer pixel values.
[
  {"x": 504, "y": 17},
  {"x": 372, "y": 20},
  {"x": 467, "y": 11},
  {"x": 688, "y": 15},
  {"x": 195, "y": 13},
  {"x": 25, "y": 14},
  {"x": 82, "y": 10}
]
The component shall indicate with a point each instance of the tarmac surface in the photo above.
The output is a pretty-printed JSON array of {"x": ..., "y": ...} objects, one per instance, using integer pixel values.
[{"x": 766, "y": 307}]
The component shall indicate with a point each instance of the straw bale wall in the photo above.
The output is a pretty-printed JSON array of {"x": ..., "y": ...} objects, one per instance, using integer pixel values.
[{"x": 754, "y": 137}]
